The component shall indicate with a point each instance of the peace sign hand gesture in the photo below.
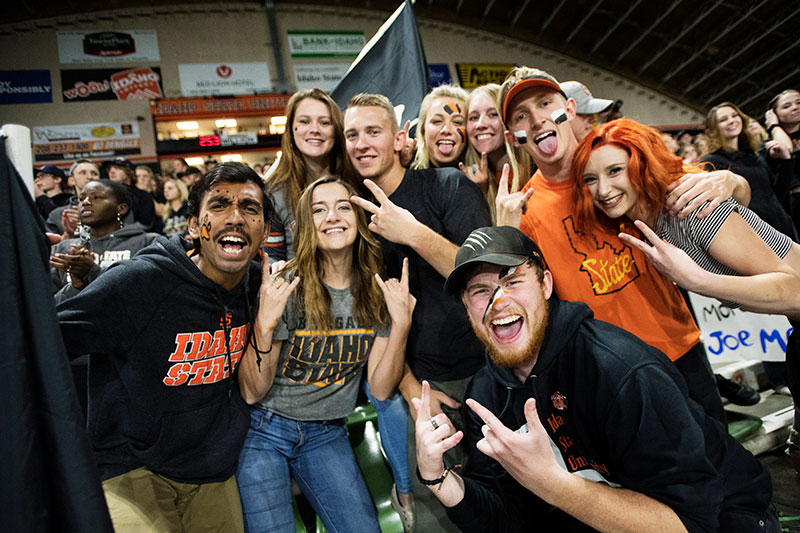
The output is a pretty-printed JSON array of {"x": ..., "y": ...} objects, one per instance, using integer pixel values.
[
  {"x": 510, "y": 206},
  {"x": 388, "y": 220}
]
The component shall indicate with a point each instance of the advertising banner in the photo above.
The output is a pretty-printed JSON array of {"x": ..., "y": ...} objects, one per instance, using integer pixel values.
[
  {"x": 25, "y": 87},
  {"x": 732, "y": 335},
  {"x": 439, "y": 74},
  {"x": 323, "y": 76},
  {"x": 473, "y": 75},
  {"x": 238, "y": 106},
  {"x": 91, "y": 141},
  {"x": 108, "y": 46},
  {"x": 325, "y": 43},
  {"x": 138, "y": 83},
  {"x": 205, "y": 79}
]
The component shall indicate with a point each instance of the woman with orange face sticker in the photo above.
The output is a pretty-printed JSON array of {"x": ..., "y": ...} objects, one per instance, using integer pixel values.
[{"x": 441, "y": 133}]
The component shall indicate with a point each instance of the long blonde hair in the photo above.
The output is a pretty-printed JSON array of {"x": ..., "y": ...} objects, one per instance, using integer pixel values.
[
  {"x": 167, "y": 212},
  {"x": 422, "y": 158},
  {"x": 311, "y": 295},
  {"x": 518, "y": 160}
]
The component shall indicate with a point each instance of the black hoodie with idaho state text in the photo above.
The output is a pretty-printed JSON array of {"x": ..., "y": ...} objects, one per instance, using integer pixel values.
[{"x": 160, "y": 391}]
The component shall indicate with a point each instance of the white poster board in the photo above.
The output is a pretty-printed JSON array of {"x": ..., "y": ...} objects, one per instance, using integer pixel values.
[
  {"x": 733, "y": 335},
  {"x": 114, "y": 46},
  {"x": 206, "y": 79},
  {"x": 323, "y": 76}
]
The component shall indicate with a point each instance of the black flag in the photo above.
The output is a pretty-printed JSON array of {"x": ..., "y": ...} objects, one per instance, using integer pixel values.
[
  {"x": 49, "y": 479},
  {"x": 392, "y": 63}
]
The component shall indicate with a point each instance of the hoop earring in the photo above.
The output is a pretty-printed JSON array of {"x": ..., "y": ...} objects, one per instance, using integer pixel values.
[{"x": 119, "y": 221}]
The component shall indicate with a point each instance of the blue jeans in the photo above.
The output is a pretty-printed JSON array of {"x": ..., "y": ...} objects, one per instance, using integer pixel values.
[
  {"x": 319, "y": 456},
  {"x": 392, "y": 414}
]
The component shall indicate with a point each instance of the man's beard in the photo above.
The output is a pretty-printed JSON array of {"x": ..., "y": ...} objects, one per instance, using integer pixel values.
[{"x": 509, "y": 358}]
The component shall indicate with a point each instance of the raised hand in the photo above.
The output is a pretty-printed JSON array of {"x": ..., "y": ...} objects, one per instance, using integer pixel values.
[
  {"x": 478, "y": 174},
  {"x": 409, "y": 149},
  {"x": 526, "y": 455},
  {"x": 435, "y": 435},
  {"x": 273, "y": 295},
  {"x": 399, "y": 302},
  {"x": 510, "y": 206},
  {"x": 388, "y": 220},
  {"x": 671, "y": 261},
  {"x": 692, "y": 190}
]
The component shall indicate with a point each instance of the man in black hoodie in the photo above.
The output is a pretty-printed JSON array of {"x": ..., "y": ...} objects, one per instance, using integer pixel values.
[
  {"x": 576, "y": 424},
  {"x": 166, "y": 330}
]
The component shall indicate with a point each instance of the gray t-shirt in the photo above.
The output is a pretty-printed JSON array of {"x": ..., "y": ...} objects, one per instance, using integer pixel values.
[
  {"x": 280, "y": 242},
  {"x": 319, "y": 372}
]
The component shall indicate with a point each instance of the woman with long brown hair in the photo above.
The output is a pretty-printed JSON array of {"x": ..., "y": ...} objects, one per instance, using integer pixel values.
[{"x": 341, "y": 318}]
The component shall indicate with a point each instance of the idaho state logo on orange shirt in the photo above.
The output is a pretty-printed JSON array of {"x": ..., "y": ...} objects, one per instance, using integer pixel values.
[{"x": 609, "y": 269}]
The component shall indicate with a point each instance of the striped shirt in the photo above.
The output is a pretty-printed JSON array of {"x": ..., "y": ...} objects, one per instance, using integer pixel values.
[{"x": 694, "y": 236}]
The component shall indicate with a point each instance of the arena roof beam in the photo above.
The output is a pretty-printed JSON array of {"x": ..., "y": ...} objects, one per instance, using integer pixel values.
[
  {"x": 584, "y": 19},
  {"x": 553, "y": 14},
  {"x": 489, "y": 5},
  {"x": 646, "y": 32},
  {"x": 702, "y": 49},
  {"x": 686, "y": 29},
  {"x": 613, "y": 28},
  {"x": 741, "y": 79},
  {"x": 779, "y": 21},
  {"x": 771, "y": 88},
  {"x": 519, "y": 12}
]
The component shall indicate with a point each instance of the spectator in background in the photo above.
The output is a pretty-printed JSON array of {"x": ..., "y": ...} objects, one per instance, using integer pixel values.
[
  {"x": 669, "y": 140},
  {"x": 441, "y": 132},
  {"x": 784, "y": 113},
  {"x": 210, "y": 163},
  {"x": 176, "y": 210},
  {"x": 178, "y": 166},
  {"x": 190, "y": 176},
  {"x": 64, "y": 220},
  {"x": 48, "y": 189},
  {"x": 77, "y": 262},
  {"x": 736, "y": 148},
  {"x": 142, "y": 210},
  {"x": 591, "y": 111},
  {"x": 688, "y": 152}
]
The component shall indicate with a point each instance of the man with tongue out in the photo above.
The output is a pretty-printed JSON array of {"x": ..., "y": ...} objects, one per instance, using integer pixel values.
[
  {"x": 575, "y": 424},
  {"x": 615, "y": 280}
]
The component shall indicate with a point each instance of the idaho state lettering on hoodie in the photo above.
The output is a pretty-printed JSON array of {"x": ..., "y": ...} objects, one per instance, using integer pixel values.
[{"x": 202, "y": 356}]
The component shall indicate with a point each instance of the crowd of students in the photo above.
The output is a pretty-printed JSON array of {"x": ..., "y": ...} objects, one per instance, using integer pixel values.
[{"x": 357, "y": 228}]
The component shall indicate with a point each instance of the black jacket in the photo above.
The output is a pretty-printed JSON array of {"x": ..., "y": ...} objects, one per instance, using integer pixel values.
[
  {"x": 161, "y": 395},
  {"x": 617, "y": 411}
]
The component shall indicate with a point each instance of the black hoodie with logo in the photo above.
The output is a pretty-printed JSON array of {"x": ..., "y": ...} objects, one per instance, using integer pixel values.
[
  {"x": 160, "y": 391},
  {"x": 617, "y": 412}
]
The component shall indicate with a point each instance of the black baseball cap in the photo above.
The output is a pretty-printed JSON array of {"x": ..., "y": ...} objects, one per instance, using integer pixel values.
[
  {"x": 53, "y": 171},
  {"x": 497, "y": 245},
  {"x": 120, "y": 162},
  {"x": 189, "y": 171}
]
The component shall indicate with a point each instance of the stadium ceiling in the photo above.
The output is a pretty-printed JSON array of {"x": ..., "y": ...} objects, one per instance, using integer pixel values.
[{"x": 698, "y": 52}]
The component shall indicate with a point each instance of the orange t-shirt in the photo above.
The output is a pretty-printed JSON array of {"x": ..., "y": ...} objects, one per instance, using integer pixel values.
[{"x": 614, "y": 279}]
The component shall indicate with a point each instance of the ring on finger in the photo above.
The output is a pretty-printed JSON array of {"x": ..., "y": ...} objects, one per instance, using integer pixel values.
[{"x": 434, "y": 424}]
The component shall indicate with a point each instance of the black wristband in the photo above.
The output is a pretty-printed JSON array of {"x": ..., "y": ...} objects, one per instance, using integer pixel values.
[
  {"x": 772, "y": 127},
  {"x": 431, "y": 482}
]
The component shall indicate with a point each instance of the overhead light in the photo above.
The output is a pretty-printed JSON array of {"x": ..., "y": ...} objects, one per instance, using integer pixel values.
[
  {"x": 231, "y": 157},
  {"x": 188, "y": 125},
  {"x": 194, "y": 161},
  {"x": 278, "y": 121},
  {"x": 225, "y": 122},
  {"x": 277, "y": 129}
]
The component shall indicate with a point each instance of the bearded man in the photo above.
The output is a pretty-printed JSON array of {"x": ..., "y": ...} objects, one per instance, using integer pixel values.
[{"x": 576, "y": 424}]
